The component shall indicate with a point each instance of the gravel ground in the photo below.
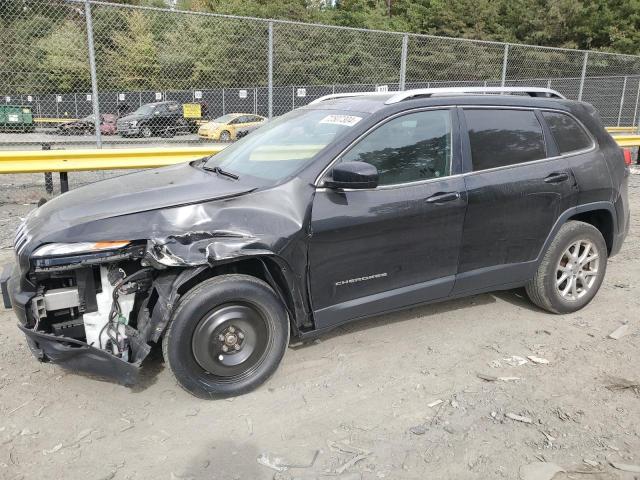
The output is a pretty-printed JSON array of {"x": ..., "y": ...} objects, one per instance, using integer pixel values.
[{"x": 395, "y": 397}]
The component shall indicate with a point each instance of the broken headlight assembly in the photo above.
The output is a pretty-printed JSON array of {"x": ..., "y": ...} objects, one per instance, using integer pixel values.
[{"x": 57, "y": 249}]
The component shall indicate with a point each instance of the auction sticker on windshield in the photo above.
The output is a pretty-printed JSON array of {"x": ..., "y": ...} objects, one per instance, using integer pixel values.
[{"x": 347, "y": 120}]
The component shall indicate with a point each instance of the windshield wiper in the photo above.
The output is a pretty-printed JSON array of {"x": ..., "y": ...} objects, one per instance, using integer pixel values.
[{"x": 220, "y": 171}]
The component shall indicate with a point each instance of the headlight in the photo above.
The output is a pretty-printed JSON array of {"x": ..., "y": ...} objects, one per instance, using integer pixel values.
[
  {"x": 133, "y": 123},
  {"x": 55, "y": 249}
]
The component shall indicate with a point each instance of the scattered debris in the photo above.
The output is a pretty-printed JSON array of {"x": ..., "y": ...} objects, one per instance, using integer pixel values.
[
  {"x": 275, "y": 463},
  {"x": 492, "y": 378},
  {"x": 619, "y": 332},
  {"x": 519, "y": 418},
  {"x": 591, "y": 463},
  {"x": 342, "y": 468},
  {"x": 618, "y": 383},
  {"x": 539, "y": 471},
  {"x": 515, "y": 361},
  {"x": 538, "y": 360},
  {"x": 419, "y": 429},
  {"x": 625, "y": 467},
  {"x": 280, "y": 465},
  {"x": 434, "y": 403},
  {"x": 549, "y": 439},
  {"x": 52, "y": 450}
]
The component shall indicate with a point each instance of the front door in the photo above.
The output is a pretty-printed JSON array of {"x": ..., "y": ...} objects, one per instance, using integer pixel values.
[{"x": 381, "y": 249}]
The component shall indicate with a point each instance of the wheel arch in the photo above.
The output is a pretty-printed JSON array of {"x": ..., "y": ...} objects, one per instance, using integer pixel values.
[
  {"x": 601, "y": 215},
  {"x": 271, "y": 269}
]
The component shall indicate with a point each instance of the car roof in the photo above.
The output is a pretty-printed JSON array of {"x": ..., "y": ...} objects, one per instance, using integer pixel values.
[{"x": 375, "y": 102}]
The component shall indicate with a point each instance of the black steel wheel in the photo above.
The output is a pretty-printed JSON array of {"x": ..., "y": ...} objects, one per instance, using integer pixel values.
[{"x": 226, "y": 337}]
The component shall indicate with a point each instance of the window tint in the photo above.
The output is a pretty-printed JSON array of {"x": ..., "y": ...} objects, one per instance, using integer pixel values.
[
  {"x": 504, "y": 137},
  {"x": 569, "y": 136},
  {"x": 409, "y": 148}
]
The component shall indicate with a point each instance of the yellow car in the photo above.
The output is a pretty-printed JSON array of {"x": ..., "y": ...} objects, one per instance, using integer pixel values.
[{"x": 230, "y": 126}]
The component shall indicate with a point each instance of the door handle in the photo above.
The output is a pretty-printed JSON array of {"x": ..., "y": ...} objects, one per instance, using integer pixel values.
[
  {"x": 557, "y": 177},
  {"x": 442, "y": 197}
]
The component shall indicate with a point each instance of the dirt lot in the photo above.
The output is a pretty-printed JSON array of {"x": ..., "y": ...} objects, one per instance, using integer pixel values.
[{"x": 363, "y": 397}]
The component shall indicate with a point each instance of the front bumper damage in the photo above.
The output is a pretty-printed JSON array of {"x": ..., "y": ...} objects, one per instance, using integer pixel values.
[{"x": 77, "y": 356}]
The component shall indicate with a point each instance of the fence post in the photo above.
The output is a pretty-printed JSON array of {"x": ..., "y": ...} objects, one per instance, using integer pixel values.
[
  {"x": 504, "y": 65},
  {"x": 624, "y": 91},
  {"x": 270, "y": 72},
  {"x": 403, "y": 61},
  {"x": 635, "y": 110},
  {"x": 94, "y": 77},
  {"x": 583, "y": 75}
]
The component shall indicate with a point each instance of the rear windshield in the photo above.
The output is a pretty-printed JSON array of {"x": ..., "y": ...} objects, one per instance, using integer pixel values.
[{"x": 285, "y": 145}]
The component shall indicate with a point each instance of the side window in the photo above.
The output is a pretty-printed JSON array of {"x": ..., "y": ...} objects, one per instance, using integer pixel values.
[
  {"x": 504, "y": 137},
  {"x": 410, "y": 148},
  {"x": 569, "y": 136}
]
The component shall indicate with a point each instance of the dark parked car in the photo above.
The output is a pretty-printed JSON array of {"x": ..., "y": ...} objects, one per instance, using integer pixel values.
[
  {"x": 163, "y": 119},
  {"x": 356, "y": 205},
  {"x": 86, "y": 126}
]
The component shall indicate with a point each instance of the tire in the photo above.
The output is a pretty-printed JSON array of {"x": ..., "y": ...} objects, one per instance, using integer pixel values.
[
  {"x": 560, "y": 270},
  {"x": 230, "y": 311},
  {"x": 225, "y": 136},
  {"x": 146, "y": 132}
]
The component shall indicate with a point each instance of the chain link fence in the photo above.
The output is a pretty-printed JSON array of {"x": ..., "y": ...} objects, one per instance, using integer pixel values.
[{"x": 84, "y": 73}]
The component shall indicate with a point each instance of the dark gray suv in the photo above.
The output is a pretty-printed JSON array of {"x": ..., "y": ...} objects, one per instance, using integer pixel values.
[{"x": 356, "y": 205}]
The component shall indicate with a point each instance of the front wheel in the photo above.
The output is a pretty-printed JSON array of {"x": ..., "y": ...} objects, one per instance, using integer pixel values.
[
  {"x": 146, "y": 132},
  {"x": 226, "y": 337},
  {"x": 571, "y": 270},
  {"x": 225, "y": 136}
]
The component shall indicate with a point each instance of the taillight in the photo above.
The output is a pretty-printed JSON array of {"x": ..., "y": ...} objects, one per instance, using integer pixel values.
[{"x": 627, "y": 157}]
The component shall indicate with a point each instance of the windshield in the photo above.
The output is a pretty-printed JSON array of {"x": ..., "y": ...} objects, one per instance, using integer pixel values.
[
  {"x": 225, "y": 118},
  {"x": 144, "y": 110},
  {"x": 284, "y": 146}
]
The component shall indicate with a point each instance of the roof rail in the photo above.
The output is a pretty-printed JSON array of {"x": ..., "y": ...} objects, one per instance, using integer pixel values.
[{"x": 428, "y": 92}]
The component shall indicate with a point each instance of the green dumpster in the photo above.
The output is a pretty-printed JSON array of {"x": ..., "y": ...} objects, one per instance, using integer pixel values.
[{"x": 14, "y": 118}]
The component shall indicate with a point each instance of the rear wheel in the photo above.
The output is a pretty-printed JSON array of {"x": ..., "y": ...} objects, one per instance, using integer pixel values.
[
  {"x": 226, "y": 337},
  {"x": 571, "y": 270}
]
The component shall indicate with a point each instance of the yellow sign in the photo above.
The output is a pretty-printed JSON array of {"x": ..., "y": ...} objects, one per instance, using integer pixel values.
[{"x": 191, "y": 110}]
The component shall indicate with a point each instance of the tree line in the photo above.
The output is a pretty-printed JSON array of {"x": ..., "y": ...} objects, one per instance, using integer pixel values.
[{"x": 44, "y": 42}]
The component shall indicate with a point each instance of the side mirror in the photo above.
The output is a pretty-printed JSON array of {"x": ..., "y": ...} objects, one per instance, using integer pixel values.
[{"x": 357, "y": 175}]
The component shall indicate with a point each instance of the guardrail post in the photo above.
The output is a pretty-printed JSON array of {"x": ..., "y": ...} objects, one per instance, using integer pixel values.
[
  {"x": 403, "y": 61},
  {"x": 505, "y": 59},
  {"x": 94, "y": 77},
  {"x": 583, "y": 75},
  {"x": 64, "y": 182},
  {"x": 624, "y": 91},
  {"x": 270, "y": 71},
  {"x": 48, "y": 178}
]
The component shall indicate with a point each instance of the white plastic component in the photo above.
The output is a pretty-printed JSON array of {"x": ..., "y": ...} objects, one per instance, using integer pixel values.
[{"x": 94, "y": 322}]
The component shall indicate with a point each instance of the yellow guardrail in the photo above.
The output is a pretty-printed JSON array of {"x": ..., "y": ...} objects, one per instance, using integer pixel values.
[
  {"x": 38, "y": 161},
  {"x": 53, "y": 120},
  {"x": 616, "y": 130},
  {"x": 627, "y": 140},
  {"x": 99, "y": 159}
]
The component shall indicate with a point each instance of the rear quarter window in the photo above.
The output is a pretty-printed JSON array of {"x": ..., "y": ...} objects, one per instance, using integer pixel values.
[
  {"x": 567, "y": 133},
  {"x": 503, "y": 137}
]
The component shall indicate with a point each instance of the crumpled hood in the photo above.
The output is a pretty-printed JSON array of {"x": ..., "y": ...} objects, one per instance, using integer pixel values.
[
  {"x": 131, "y": 117},
  {"x": 137, "y": 192}
]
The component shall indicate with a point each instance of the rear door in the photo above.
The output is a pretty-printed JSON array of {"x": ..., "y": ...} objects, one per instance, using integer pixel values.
[
  {"x": 517, "y": 187},
  {"x": 395, "y": 245}
]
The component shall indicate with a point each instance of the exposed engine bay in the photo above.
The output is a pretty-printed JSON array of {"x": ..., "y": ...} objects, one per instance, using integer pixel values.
[{"x": 94, "y": 299}]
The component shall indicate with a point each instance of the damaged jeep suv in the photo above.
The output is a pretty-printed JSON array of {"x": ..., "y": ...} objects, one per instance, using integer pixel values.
[{"x": 355, "y": 205}]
